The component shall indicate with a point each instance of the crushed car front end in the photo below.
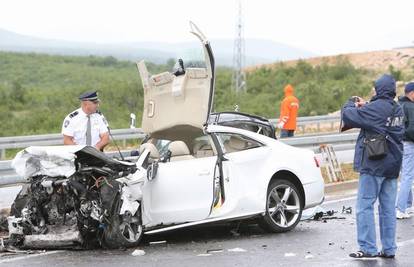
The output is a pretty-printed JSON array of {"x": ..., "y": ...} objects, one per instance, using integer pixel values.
[{"x": 75, "y": 196}]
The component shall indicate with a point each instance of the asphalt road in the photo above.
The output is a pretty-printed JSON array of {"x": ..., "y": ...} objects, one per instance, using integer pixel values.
[{"x": 311, "y": 243}]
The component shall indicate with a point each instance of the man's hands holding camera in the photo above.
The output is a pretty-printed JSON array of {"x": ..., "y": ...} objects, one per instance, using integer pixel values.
[{"x": 359, "y": 101}]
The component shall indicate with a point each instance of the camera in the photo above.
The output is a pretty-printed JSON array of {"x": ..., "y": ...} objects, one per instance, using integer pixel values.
[{"x": 354, "y": 99}]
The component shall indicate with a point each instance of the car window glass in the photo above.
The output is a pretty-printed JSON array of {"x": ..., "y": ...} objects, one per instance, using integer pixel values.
[
  {"x": 193, "y": 57},
  {"x": 242, "y": 122},
  {"x": 236, "y": 142},
  {"x": 203, "y": 147},
  {"x": 160, "y": 144},
  {"x": 189, "y": 57}
]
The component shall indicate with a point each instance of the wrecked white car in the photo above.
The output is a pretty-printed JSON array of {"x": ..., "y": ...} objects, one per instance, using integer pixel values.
[
  {"x": 192, "y": 170},
  {"x": 75, "y": 196}
]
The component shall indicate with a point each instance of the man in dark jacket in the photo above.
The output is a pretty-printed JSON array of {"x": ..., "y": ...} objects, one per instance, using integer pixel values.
[
  {"x": 378, "y": 178},
  {"x": 405, "y": 197}
]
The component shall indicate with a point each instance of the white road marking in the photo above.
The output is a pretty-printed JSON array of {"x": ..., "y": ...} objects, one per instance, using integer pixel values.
[
  {"x": 346, "y": 198},
  {"x": 31, "y": 256}
]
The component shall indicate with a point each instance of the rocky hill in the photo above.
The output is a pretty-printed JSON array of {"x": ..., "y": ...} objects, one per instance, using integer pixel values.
[{"x": 399, "y": 58}]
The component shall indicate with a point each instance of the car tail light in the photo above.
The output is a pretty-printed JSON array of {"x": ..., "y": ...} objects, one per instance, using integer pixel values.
[{"x": 316, "y": 162}]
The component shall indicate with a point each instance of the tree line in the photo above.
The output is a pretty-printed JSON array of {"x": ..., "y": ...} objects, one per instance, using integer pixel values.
[{"x": 37, "y": 91}]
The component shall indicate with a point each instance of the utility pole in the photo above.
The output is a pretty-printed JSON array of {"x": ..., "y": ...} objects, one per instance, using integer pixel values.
[{"x": 238, "y": 82}]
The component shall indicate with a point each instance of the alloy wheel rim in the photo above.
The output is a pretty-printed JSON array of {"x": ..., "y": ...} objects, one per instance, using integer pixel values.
[
  {"x": 283, "y": 205},
  {"x": 131, "y": 229}
]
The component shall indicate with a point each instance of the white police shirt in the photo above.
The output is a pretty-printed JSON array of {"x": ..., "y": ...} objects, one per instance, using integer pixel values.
[{"x": 76, "y": 122}]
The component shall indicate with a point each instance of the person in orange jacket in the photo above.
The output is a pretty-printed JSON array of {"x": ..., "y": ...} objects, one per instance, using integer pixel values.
[{"x": 288, "y": 113}]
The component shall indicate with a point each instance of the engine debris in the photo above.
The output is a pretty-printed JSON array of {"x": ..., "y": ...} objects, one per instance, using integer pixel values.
[
  {"x": 346, "y": 210},
  {"x": 81, "y": 210}
]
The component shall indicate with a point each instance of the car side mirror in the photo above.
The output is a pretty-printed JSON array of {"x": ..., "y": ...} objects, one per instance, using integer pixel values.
[{"x": 166, "y": 157}]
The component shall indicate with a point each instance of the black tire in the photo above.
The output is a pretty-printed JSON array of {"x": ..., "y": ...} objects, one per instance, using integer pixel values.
[
  {"x": 284, "y": 207},
  {"x": 125, "y": 230}
]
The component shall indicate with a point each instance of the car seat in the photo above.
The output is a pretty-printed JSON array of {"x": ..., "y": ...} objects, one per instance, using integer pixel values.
[
  {"x": 202, "y": 149},
  {"x": 154, "y": 154},
  {"x": 179, "y": 151},
  {"x": 235, "y": 144}
]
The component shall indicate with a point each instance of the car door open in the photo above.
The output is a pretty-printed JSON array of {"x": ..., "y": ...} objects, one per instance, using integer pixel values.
[{"x": 181, "y": 99}]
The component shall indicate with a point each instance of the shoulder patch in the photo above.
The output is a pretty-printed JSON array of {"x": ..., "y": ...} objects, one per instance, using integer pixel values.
[
  {"x": 66, "y": 123},
  {"x": 73, "y": 114}
]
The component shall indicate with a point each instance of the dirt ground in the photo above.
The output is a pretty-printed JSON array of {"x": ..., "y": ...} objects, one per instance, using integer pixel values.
[
  {"x": 347, "y": 171},
  {"x": 400, "y": 58}
]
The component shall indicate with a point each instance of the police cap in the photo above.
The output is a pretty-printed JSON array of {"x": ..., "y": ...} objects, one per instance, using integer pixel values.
[{"x": 89, "y": 96}]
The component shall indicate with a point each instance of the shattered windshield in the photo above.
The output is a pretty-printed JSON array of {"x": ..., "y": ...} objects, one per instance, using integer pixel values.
[
  {"x": 194, "y": 58},
  {"x": 191, "y": 57}
]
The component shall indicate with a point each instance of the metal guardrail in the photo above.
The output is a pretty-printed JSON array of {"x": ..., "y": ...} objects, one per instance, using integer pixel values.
[
  {"x": 316, "y": 140},
  {"x": 124, "y": 134},
  {"x": 314, "y": 119},
  {"x": 57, "y": 139},
  {"x": 340, "y": 142},
  {"x": 303, "y": 121}
]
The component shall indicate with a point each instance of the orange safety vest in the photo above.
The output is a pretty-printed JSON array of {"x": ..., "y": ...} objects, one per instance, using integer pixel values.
[{"x": 289, "y": 109}]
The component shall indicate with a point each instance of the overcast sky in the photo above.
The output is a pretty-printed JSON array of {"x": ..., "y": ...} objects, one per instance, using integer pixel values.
[{"x": 320, "y": 26}]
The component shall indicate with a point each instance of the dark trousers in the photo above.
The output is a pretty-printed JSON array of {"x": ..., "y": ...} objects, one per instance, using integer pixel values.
[{"x": 286, "y": 133}]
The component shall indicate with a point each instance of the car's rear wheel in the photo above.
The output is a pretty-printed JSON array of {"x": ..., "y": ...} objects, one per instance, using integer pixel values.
[{"x": 283, "y": 207}]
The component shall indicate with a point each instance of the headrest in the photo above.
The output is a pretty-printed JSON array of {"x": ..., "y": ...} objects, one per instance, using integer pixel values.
[
  {"x": 201, "y": 145},
  {"x": 236, "y": 143},
  {"x": 178, "y": 148},
  {"x": 151, "y": 147}
]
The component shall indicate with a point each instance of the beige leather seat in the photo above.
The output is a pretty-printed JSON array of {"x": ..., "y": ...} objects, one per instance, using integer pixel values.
[
  {"x": 154, "y": 154},
  {"x": 235, "y": 144},
  {"x": 202, "y": 149},
  {"x": 179, "y": 151}
]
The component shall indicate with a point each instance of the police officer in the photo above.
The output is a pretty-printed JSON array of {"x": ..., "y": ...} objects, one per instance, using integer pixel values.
[{"x": 86, "y": 125}]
